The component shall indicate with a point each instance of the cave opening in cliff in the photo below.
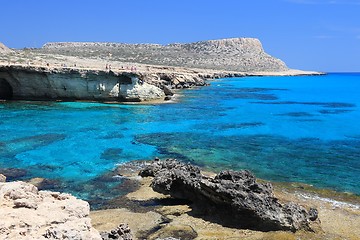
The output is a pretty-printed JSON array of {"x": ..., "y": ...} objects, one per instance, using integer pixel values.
[
  {"x": 6, "y": 91},
  {"x": 124, "y": 79}
]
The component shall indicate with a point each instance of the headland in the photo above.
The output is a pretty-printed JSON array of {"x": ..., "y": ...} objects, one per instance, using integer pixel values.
[{"x": 119, "y": 72}]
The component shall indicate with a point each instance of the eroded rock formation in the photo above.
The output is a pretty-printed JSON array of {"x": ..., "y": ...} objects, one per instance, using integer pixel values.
[
  {"x": 41, "y": 83},
  {"x": 27, "y": 213},
  {"x": 234, "y": 196}
]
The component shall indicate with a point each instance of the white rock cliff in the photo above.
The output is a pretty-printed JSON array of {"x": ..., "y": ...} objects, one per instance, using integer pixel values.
[{"x": 40, "y": 83}]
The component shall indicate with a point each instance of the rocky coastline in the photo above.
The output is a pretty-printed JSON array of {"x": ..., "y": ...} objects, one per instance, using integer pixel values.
[
  {"x": 176, "y": 200},
  {"x": 115, "y": 72},
  {"x": 177, "y": 213},
  {"x": 232, "y": 54}
]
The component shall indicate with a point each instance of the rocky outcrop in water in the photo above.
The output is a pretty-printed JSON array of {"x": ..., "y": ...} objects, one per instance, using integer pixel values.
[
  {"x": 235, "y": 196},
  {"x": 27, "y": 213},
  {"x": 234, "y": 54}
]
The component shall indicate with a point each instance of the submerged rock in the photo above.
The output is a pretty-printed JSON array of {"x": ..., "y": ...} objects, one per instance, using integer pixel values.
[
  {"x": 234, "y": 197},
  {"x": 13, "y": 173},
  {"x": 27, "y": 213}
]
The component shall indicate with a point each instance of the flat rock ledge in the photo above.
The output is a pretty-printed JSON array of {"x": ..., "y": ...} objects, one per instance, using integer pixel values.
[
  {"x": 233, "y": 196},
  {"x": 27, "y": 213}
]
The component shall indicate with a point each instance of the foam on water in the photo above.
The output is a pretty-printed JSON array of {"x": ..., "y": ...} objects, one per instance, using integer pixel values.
[
  {"x": 301, "y": 129},
  {"x": 334, "y": 203}
]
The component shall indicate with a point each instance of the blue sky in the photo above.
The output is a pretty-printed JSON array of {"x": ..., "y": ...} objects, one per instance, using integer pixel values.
[{"x": 321, "y": 35}]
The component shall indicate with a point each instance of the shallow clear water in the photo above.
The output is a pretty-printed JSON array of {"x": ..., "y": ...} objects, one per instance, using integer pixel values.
[{"x": 302, "y": 129}]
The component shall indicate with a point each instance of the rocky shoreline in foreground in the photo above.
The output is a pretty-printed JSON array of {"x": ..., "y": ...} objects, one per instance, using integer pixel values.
[
  {"x": 185, "y": 219},
  {"x": 187, "y": 204}
]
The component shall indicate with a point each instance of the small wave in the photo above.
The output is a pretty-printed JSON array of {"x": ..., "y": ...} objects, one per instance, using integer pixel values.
[
  {"x": 175, "y": 98},
  {"x": 335, "y": 203},
  {"x": 118, "y": 177}
]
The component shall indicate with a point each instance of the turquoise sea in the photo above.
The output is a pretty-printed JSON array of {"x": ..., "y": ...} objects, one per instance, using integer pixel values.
[{"x": 292, "y": 129}]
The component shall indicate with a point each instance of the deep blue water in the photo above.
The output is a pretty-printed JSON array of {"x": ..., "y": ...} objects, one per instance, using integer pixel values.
[{"x": 293, "y": 129}]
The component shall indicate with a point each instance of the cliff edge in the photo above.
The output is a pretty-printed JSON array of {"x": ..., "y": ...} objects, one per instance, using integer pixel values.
[
  {"x": 121, "y": 72},
  {"x": 4, "y": 49}
]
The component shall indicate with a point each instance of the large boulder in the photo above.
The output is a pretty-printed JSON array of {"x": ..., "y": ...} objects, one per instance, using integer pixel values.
[
  {"x": 27, "y": 213},
  {"x": 232, "y": 195}
]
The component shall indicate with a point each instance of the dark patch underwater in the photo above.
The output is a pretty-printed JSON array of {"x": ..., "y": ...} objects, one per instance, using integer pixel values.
[
  {"x": 271, "y": 157},
  {"x": 322, "y": 104}
]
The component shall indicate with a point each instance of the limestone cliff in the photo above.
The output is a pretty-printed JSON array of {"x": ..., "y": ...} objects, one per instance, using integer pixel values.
[
  {"x": 41, "y": 83},
  {"x": 235, "y": 54}
]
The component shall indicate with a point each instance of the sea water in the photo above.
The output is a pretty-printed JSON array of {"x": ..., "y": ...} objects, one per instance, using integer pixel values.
[{"x": 292, "y": 129}]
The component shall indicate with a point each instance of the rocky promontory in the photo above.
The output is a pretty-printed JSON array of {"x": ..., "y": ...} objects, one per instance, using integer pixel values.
[
  {"x": 234, "y": 54},
  {"x": 129, "y": 72}
]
